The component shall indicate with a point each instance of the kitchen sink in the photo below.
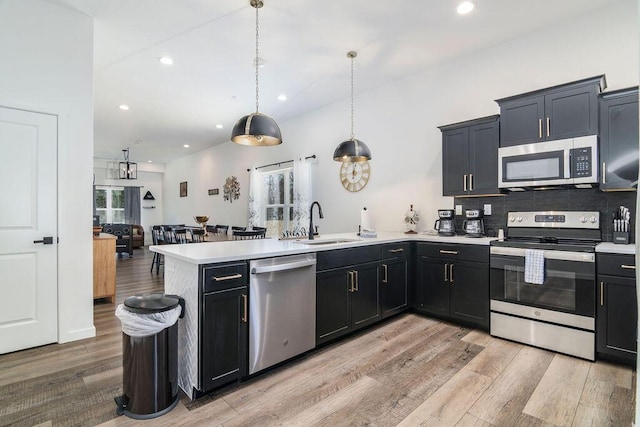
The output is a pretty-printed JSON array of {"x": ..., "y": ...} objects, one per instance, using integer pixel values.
[{"x": 325, "y": 241}]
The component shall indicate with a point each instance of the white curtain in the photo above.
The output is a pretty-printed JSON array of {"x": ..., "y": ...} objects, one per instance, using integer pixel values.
[
  {"x": 302, "y": 197},
  {"x": 255, "y": 199}
]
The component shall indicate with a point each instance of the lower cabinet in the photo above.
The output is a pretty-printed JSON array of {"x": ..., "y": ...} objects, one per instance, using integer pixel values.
[
  {"x": 347, "y": 299},
  {"x": 223, "y": 325},
  {"x": 450, "y": 288},
  {"x": 617, "y": 312},
  {"x": 394, "y": 278}
]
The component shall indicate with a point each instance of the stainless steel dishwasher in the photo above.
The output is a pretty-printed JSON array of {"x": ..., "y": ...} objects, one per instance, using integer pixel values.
[{"x": 282, "y": 309}]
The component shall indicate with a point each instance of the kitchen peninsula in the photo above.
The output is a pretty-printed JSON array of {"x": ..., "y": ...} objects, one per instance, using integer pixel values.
[{"x": 213, "y": 279}]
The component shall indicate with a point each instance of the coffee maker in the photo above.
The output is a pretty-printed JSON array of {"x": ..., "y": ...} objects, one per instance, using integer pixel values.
[
  {"x": 445, "y": 225},
  {"x": 473, "y": 225}
]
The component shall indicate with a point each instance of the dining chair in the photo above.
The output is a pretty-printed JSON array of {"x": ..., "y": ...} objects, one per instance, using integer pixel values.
[
  {"x": 157, "y": 237},
  {"x": 248, "y": 234},
  {"x": 181, "y": 236},
  {"x": 222, "y": 229},
  {"x": 197, "y": 235},
  {"x": 169, "y": 234}
]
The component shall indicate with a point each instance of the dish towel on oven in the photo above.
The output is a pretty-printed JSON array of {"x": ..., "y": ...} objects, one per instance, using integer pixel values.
[{"x": 534, "y": 266}]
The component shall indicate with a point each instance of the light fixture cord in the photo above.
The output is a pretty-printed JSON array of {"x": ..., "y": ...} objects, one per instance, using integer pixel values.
[
  {"x": 257, "y": 59},
  {"x": 352, "y": 134}
]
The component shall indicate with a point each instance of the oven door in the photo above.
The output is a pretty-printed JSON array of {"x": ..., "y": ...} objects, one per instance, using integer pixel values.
[{"x": 569, "y": 283}]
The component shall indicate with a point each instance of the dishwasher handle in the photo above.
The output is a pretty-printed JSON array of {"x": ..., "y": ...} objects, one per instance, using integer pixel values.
[{"x": 283, "y": 267}]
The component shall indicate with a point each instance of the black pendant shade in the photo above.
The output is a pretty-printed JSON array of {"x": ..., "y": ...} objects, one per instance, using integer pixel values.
[
  {"x": 256, "y": 129},
  {"x": 352, "y": 150}
]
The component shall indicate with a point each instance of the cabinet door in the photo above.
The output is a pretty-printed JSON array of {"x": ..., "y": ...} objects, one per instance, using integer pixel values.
[
  {"x": 455, "y": 162},
  {"x": 365, "y": 303},
  {"x": 433, "y": 289},
  {"x": 619, "y": 142},
  {"x": 571, "y": 113},
  {"x": 617, "y": 317},
  {"x": 223, "y": 337},
  {"x": 521, "y": 121},
  {"x": 393, "y": 286},
  {"x": 483, "y": 158},
  {"x": 332, "y": 304},
  {"x": 469, "y": 285}
]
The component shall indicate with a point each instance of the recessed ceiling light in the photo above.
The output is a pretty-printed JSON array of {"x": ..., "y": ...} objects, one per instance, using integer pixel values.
[
  {"x": 123, "y": 107},
  {"x": 165, "y": 60},
  {"x": 282, "y": 97},
  {"x": 465, "y": 7},
  {"x": 186, "y": 145},
  {"x": 219, "y": 126},
  {"x": 149, "y": 161}
]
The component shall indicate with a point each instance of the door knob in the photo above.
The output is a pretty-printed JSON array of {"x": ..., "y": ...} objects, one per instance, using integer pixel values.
[{"x": 45, "y": 240}]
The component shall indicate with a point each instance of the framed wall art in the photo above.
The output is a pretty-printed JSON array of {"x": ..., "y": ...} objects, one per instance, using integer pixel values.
[{"x": 183, "y": 189}]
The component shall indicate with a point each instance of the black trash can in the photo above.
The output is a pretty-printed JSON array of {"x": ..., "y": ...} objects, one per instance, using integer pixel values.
[{"x": 149, "y": 355}]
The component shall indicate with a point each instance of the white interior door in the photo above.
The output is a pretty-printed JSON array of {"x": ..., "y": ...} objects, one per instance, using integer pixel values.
[{"x": 28, "y": 270}]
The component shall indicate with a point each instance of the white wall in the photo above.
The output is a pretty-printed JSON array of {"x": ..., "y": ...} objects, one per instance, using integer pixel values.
[
  {"x": 399, "y": 123},
  {"x": 47, "y": 66},
  {"x": 149, "y": 179}
]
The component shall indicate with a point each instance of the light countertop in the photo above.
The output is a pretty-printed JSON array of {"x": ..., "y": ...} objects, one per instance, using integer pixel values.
[
  {"x": 612, "y": 248},
  {"x": 214, "y": 252}
]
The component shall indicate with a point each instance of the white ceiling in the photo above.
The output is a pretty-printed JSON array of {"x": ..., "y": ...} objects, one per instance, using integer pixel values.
[{"x": 303, "y": 42}]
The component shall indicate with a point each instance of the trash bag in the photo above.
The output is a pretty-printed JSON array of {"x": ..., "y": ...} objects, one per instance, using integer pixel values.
[{"x": 147, "y": 324}]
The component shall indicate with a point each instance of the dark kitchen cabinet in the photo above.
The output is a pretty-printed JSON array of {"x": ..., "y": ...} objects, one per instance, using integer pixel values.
[
  {"x": 617, "y": 312},
  {"x": 564, "y": 111},
  {"x": 394, "y": 278},
  {"x": 453, "y": 282},
  {"x": 619, "y": 139},
  {"x": 470, "y": 157},
  {"x": 347, "y": 291},
  {"x": 223, "y": 325}
]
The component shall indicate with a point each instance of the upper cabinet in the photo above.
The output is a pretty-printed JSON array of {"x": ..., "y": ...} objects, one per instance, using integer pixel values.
[
  {"x": 470, "y": 157},
  {"x": 565, "y": 111},
  {"x": 619, "y": 139}
]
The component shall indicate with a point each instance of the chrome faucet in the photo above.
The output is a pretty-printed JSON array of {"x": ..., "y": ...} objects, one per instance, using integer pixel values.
[{"x": 311, "y": 217}]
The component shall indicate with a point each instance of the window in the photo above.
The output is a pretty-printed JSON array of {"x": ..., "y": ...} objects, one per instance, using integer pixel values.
[
  {"x": 110, "y": 204},
  {"x": 277, "y": 201}
]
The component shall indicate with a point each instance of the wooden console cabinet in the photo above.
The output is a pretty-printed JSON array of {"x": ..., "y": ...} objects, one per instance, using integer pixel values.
[{"x": 104, "y": 266}]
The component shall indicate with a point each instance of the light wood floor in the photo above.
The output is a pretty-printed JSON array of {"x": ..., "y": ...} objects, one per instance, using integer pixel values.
[{"x": 410, "y": 371}]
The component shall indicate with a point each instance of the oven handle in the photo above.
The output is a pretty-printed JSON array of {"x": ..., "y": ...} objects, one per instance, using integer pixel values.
[{"x": 559, "y": 255}]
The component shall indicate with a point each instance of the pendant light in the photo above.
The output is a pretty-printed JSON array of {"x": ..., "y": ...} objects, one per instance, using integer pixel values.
[
  {"x": 128, "y": 170},
  {"x": 256, "y": 128},
  {"x": 352, "y": 150}
]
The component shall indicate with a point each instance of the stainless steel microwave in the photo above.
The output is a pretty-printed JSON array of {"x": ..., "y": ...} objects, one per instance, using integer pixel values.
[{"x": 562, "y": 162}]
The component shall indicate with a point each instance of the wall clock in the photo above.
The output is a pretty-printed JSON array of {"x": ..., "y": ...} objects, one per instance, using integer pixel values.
[{"x": 355, "y": 175}]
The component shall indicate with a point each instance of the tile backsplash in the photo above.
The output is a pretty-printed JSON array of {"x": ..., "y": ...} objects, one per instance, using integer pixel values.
[{"x": 560, "y": 200}]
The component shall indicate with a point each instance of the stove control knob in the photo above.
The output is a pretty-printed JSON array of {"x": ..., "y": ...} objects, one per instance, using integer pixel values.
[
  {"x": 593, "y": 220},
  {"x": 512, "y": 218},
  {"x": 519, "y": 219},
  {"x": 583, "y": 219}
]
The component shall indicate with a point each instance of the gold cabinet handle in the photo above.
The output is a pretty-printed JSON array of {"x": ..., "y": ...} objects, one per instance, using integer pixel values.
[
  {"x": 450, "y": 273},
  {"x": 540, "y": 128},
  {"x": 223, "y": 278},
  {"x": 444, "y": 251},
  {"x": 386, "y": 273},
  {"x": 446, "y": 274},
  {"x": 396, "y": 250},
  {"x": 244, "y": 308},
  {"x": 356, "y": 274},
  {"x": 601, "y": 293},
  {"x": 548, "y": 127},
  {"x": 470, "y": 182},
  {"x": 604, "y": 173},
  {"x": 628, "y": 267},
  {"x": 464, "y": 182}
]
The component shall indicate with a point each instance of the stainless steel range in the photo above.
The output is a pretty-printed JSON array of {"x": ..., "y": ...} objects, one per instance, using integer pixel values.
[{"x": 543, "y": 281}]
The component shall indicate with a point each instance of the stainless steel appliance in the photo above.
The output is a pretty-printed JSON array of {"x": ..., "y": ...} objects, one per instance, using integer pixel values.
[
  {"x": 562, "y": 162},
  {"x": 445, "y": 224},
  {"x": 473, "y": 225},
  {"x": 282, "y": 309},
  {"x": 559, "y": 313}
]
